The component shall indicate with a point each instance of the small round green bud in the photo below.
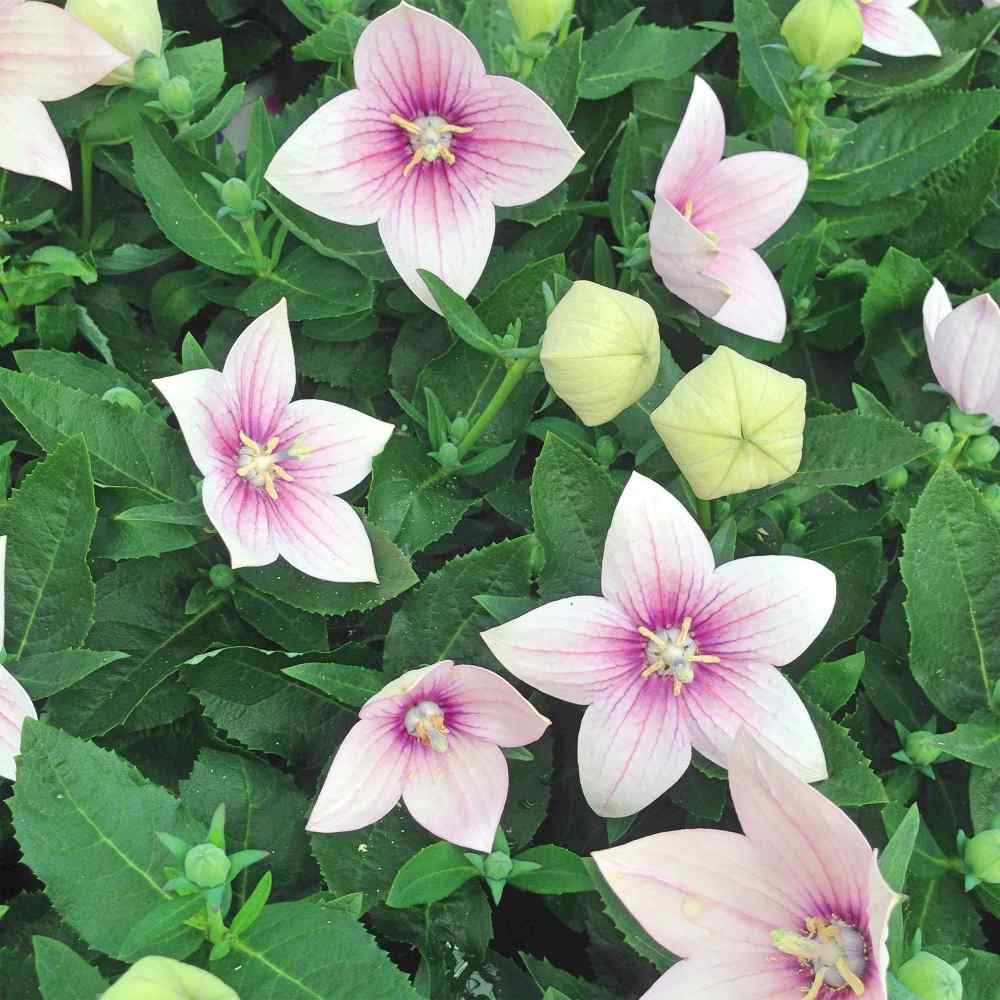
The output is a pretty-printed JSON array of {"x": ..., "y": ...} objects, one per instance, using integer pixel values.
[
  {"x": 607, "y": 449},
  {"x": 497, "y": 865},
  {"x": 448, "y": 455},
  {"x": 221, "y": 576},
  {"x": 508, "y": 340},
  {"x": 823, "y": 33},
  {"x": 177, "y": 97},
  {"x": 969, "y": 423},
  {"x": 921, "y": 749},
  {"x": 151, "y": 73},
  {"x": 237, "y": 196},
  {"x": 459, "y": 428},
  {"x": 982, "y": 856},
  {"x": 895, "y": 479},
  {"x": 206, "y": 866},
  {"x": 797, "y": 529},
  {"x": 991, "y": 495},
  {"x": 121, "y": 396},
  {"x": 938, "y": 435},
  {"x": 983, "y": 450},
  {"x": 931, "y": 978}
]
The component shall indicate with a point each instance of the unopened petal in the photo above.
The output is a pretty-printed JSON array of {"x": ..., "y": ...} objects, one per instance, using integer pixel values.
[
  {"x": 657, "y": 561},
  {"x": 458, "y": 795},
  {"x": 633, "y": 746},
  {"x": 697, "y": 147},
  {"x": 29, "y": 143},
  {"x": 937, "y": 306},
  {"x": 574, "y": 649},
  {"x": 894, "y": 30},
  {"x": 365, "y": 779},
  {"x": 755, "y": 305},
  {"x": 15, "y": 707}
]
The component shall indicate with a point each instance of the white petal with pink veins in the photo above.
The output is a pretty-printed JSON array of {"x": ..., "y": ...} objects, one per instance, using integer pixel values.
[
  {"x": 719, "y": 975},
  {"x": 755, "y": 305},
  {"x": 29, "y": 143},
  {"x": 15, "y": 707},
  {"x": 894, "y": 30},
  {"x": 242, "y": 517}
]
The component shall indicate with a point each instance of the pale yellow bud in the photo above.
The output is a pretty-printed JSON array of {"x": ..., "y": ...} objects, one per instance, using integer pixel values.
[
  {"x": 537, "y": 17},
  {"x": 156, "y": 978},
  {"x": 732, "y": 424},
  {"x": 823, "y": 33},
  {"x": 601, "y": 351},
  {"x": 131, "y": 26}
]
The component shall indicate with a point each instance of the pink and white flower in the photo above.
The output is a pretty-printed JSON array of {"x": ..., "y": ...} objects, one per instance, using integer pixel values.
[
  {"x": 273, "y": 468},
  {"x": 15, "y": 705},
  {"x": 45, "y": 55},
  {"x": 710, "y": 213},
  {"x": 894, "y": 30},
  {"x": 425, "y": 147},
  {"x": 432, "y": 738},
  {"x": 795, "y": 908},
  {"x": 963, "y": 345},
  {"x": 677, "y": 653}
]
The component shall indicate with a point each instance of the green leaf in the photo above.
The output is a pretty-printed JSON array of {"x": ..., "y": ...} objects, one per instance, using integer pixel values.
[
  {"x": 162, "y": 923},
  {"x": 83, "y": 811},
  {"x": 410, "y": 499},
  {"x": 891, "y": 688},
  {"x": 556, "y": 78},
  {"x": 204, "y": 68},
  {"x": 832, "y": 685},
  {"x": 333, "y": 42},
  {"x": 950, "y": 553},
  {"x": 284, "y": 625},
  {"x": 561, "y": 871},
  {"x": 439, "y": 621},
  {"x": 63, "y": 974},
  {"x": 432, "y": 874},
  {"x": 548, "y": 977},
  {"x": 344, "y": 683},
  {"x": 126, "y": 448},
  {"x": 768, "y": 69},
  {"x": 520, "y": 297},
  {"x": 309, "y": 594},
  {"x": 49, "y": 521},
  {"x": 264, "y": 810},
  {"x": 977, "y": 742},
  {"x": 461, "y": 319},
  {"x": 260, "y": 147},
  {"x": 890, "y": 152},
  {"x": 627, "y": 177},
  {"x": 873, "y": 86},
  {"x": 46, "y": 674},
  {"x": 573, "y": 499},
  {"x": 979, "y": 977},
  {"x": 306, "y": 951},
  {"x": 218, "y": 118},
  {"x": 624, "y": 53},
  {"x": 316, "y": 287},
  {"x": 183, "y": 204},
  {"x": 894, "y": 863}
]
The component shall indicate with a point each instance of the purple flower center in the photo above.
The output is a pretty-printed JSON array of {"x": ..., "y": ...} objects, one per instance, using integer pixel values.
[
  {"x": 425, "y": 722},
  {"x": 430, "y": 139},
  {"x": 672, "y": 652},
  {"x": 834, "y": 954}
]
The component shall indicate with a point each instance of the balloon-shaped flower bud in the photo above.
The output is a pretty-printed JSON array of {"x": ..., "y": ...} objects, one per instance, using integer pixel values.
[
  {"x": 221, "y": 576},
  {"x": 601, "y": 351},
  {"x": 237, "y": 196},
  {"x": 177, "y": 98},
  {"x": 151, "y": 73},
  {"x": 732, "y": 424},
  {"x": 538, "y": 17},
  {"x": 121, "y": 396},
  {"x": 939, "y": 436},
  {"x": 982, "y": 856},
  {"x": 131, "y": 26},
  {"x": 497, "y": 865},
  {"x": 823, "y": 33},
  {"x": 983, "y": 450},
  {"x": 922, "y": 748},
  {"x": 207, "y": 866},
  {"x": 973, "y": 424},
  {"x": 155, "y": 978},
  {"x": 931, "y": 978}
]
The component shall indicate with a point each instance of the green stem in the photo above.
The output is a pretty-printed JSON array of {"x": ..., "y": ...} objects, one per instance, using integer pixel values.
[
  {"x": 256, "y": 250},
  {"x": 705, "y": 515},
  {"x": 87, "y": 190},
  {"x": 922, "y": 7},
  {"x": 802, "y": 138},
  {"x": 527, "y": 65},
  {"x": 515, "y": 373}
]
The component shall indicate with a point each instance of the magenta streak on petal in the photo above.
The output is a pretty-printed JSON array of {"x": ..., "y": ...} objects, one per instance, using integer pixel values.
[{"x": 714, "y": 636}]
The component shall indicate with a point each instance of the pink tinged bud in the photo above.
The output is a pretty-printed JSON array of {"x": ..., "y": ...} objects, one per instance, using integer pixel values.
[
  {"x": 45, "y": 55},
  {"x": 710, "y": 214},
  {"x": 426, "y": 147},
  {"x": 431, "y": 738},
  {"x": 676, "y": 653},
  {"x": 274, "y": 468},
  {"x": 795, "y": 907}
]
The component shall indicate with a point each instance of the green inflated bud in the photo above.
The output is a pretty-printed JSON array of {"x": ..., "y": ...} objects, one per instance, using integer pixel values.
[
  {"x": 983, "y": 450},
  {"x": 823, "y": 33},
  {"x": 177, "y": 97},
  {"x": 207, "y": 866},
  {"x": 895, "y": 479},
  {"x": 459, "y": 428},
  {"x": 121, "y": 396},
  {"x": 920, "y": 748},
  {"x": 237, "y": 196},
  {"x": 221, "y": 576},
  {"x": 538, "y": 17},
  {"x": 982, "y": 856},
  {"x": 939, "y": 436},
  {"x": 497, "y": 865},
  {"x": 931, "y": 978}
]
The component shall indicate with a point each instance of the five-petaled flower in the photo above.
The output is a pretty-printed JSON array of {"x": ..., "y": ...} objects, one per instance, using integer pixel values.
[
  {"x": 15, "y": 705},
  {"x": 432, "y": 738},
  {"x": 964, "y": 349},
  {"x": 795, "y": 908},
  {"x": 426, "y": 146},
  {"x": 894, "y": 30},
  {"x": 710, "y": 213},
  {"x": 676, "y": 653},
  {"x": 273, "y": 468},
  {"x": 45, "y": 55}
]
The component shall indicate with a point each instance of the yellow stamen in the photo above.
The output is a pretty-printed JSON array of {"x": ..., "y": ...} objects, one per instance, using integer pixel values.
[
  {"x": 688, "y": 209},
  {"x": 430, "y": 139},
  {"x": 700, "y": 658},
  {"x": 659, "y": 641},
  {"x": 684, "y": 632},
  {"x": 817, "y": 984},
  {"x": 857, "y": 987},
  {"x": 281, "y": 474},
  {"x": 250, "y": 443},
  {"x": 456, "y": 129},
  {"x": 269, "y": 488},
  {"x": 418, "y": 157},
  {"x": 406, "y": 126},
  {"x": 447, "y": 155},
  {"x": 678, "y": 687}
]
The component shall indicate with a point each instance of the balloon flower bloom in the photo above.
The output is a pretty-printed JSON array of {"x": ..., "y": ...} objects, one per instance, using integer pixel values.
[
  {"x": 45, "y": 55},
  {"x": 425, "y": 147},
  {"x": 964, "y": 349},
  {"x": 432, "y": 738},
  {"x": 710, "y": 213},
  {"x": 795, "y": 908},
  {"x": 273, "y": 468},
  {"x": 677, "y": 653},
  {"x": 894, "y": 30},
  {"x": 15, "y": 705},
  {"x": 156, "y": 978}
]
